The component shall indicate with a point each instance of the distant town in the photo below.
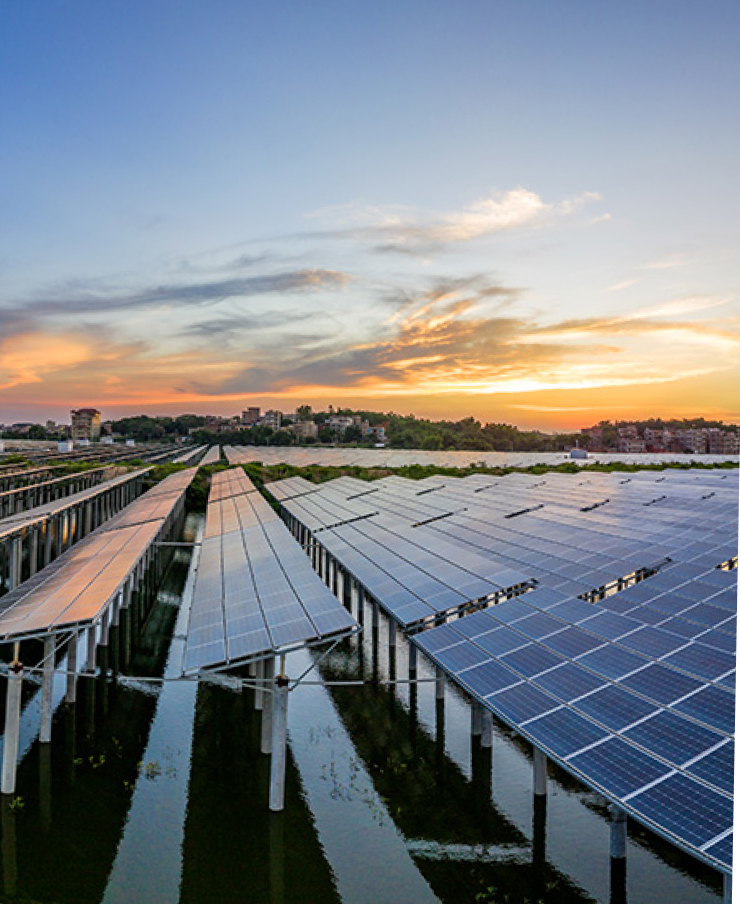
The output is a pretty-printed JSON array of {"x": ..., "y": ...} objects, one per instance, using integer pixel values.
[{"x": 340, "y": 426}]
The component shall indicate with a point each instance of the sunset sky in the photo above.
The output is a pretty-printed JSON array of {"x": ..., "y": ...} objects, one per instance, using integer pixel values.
[{"x": 521, "y": 210}]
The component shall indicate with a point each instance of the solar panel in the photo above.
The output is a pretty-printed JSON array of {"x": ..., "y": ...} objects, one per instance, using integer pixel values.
[{"x": 255, "y": 591}]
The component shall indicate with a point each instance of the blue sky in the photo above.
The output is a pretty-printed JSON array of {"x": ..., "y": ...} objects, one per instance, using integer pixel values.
[{"x": 519, "y": 210}]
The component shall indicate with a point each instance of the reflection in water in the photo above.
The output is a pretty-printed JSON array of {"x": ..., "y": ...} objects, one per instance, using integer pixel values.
[{"x": 234, "y": 849}]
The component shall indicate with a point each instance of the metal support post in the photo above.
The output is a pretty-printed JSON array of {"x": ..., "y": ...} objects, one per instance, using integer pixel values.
[
  {"x": 104, "y": 624},
  {"x": 340, "y": 584},
  {"x": 439, "y": 684},
  {"x": 116, "y": 612},
  {"x": 476, "y": 719},
  {"x": 267, "y": 708},
  {"x": 47, "y": 690},
  {"x": 486, "y": 735},
  {"x": 413, "y": 661},
  {"x": 71, "y": 695},
  {"x": 12, "y": 725},
  {"x": 279, "y": 743},
  {"x": 16, "y": 560},
  {"x": 540, "y": 772},
  {"x": 259, "y": 694},
  {"x": 91, "y": 644},
  {"x": 618, "y": 833},
  {"x": 33, "y": 552},
  {"x": 618, "y": 859}
]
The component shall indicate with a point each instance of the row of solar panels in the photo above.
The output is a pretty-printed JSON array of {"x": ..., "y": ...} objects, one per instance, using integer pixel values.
[
  {"x": 633, "y": 691},
  {"x": 573, "y": 552},
  {"x": 212, "y": 456},
  {"x": 28, "y": 518},
  {"x": 397, "y": 458},
  {"x": 77, "y": 587},
  {"x": 255, "y": 592}
]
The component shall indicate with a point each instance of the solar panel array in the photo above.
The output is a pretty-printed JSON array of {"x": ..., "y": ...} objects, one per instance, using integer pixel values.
[
  {"x": 12, "y": 524},
  {"x": 620, "y": 663},
  {"x": 212, "y": 456},
  {"x": 190, "y": 455},
  {"x": 348, "y": 456},
  {"x": 255, "y": 591},
  {"x": 77, "y": 587}
]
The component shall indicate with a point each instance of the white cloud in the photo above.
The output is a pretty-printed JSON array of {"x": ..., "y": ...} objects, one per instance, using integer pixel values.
[
  {"x": 404, "y": 229},
  {"x": 670, "y": 262},
  {"x": 678, "y": 306},
  {"x": 623, "y": 285}
]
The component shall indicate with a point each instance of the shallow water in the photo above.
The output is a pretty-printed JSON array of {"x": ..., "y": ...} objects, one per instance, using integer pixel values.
[{"x": 156, "y": 792}]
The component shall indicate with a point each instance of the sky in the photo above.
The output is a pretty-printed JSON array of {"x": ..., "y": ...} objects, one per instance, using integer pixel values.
[{"x": 521, "y": 210}]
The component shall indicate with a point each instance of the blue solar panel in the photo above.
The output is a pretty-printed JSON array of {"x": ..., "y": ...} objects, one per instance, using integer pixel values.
[
  {"x": 438, "y": 639},
  {"x": 672, "y": 737},
  {"x": 612, "y": 662},
  {"x": 661, "y": 683},
  {"x": 652, "y": 642},
  {"x": 500, "y": 641},
  {"x": 572, "y": 642},
  {"x": 522, "y": 702},
  {"x": 618, "y": 767},
  {"x": 702, "y": 661},
  {"x": 474, "y": 624},
  {"x": 717, "y": 767},
  {"x": 531, "y": 660},
  {"x": 686, "y": 808},
  {"x": 538, "y": 625},
  {"x": 712, "y": 705},
  {"x": 571, "y": 610},
  {"x": 488, "y": 678},
  {"x": 722, "y": 850},
  {"x": 569, "y": 681},
  {"x": 563, "y": 732},
  {"x": 614, "y": 707},
  {"x": 461, "y": 656},
  {"x": 609, "y": 625}
]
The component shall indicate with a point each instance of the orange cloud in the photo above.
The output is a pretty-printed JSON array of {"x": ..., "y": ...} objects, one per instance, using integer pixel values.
[{"x": 30, "y": 357}]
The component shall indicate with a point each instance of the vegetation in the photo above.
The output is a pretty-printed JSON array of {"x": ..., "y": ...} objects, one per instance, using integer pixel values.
[
  {"x": 143, "y": 428},
  {"x": 402, "y": 432}
]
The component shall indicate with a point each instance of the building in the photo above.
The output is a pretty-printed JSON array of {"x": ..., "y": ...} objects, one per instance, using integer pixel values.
[
  {"x": 273, "y": 419},
  {"x": 723, "y": 442},
  {"x": 692, "y": 440},
  {"x": 628, "y": 431},
  {"x": 630, "y": 444},
  {"x": 250, "y": 417},
  {"x": 305, "y": 429},
  {"x": 378, "y": 432},
  {"x": 85, "y": 424}
]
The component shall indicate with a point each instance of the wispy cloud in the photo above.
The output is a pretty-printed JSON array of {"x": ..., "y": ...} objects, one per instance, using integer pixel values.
[
  {"x": 623, "y": 285},
  {"x": 408, "y": 231},
  {"x": 80, "y": 301},
  {"x": 669, "y": 262},
  {"x": 457, "y": 336}
]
